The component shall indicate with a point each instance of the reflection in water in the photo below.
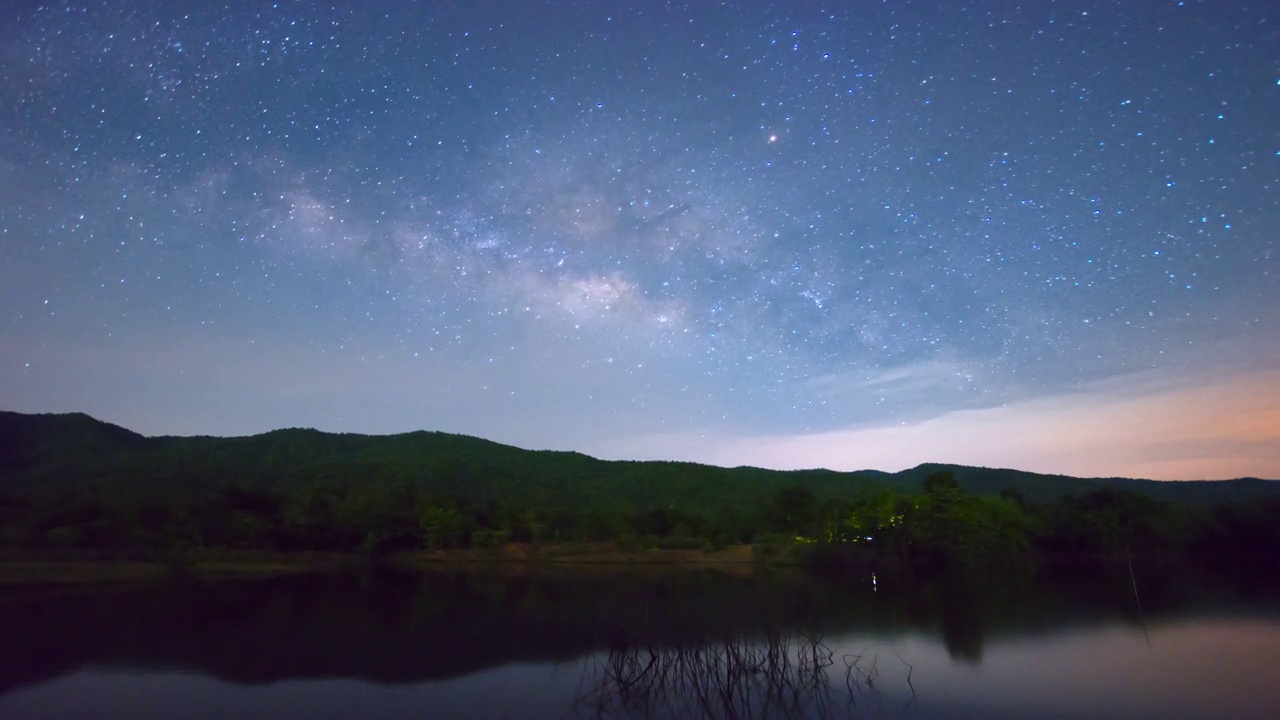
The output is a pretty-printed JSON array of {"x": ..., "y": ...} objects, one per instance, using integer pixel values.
[
  {"x": 641, "y": 644},
  {"x": 780, "y": 675},
  {"x": 962, "y": 630},
  {"x": 401, "y": 628}
]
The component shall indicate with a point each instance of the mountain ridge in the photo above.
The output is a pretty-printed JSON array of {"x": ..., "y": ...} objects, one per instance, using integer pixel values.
[{"x": 69, "y": 448}]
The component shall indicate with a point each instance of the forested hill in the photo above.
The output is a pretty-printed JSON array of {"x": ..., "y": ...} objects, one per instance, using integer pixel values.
[
  {"x": 50, "y": 454},
  {"x": 73, "y": 483}
]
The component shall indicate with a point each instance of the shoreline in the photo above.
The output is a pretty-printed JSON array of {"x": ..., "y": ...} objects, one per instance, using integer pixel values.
[{"x": 39, "y": 569}]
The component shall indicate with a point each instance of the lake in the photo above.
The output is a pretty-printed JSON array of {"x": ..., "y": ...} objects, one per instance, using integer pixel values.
[{"x": 593, "y": 641}]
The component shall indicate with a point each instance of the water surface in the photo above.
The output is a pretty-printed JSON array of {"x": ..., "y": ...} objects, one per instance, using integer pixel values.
[{"x": 646, "y": 643}]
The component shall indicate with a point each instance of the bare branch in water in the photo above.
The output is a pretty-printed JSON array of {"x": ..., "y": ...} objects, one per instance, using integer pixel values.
[{"x": 776, "y": 676}]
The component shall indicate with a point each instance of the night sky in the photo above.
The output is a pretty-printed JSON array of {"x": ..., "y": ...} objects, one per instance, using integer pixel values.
[{"x": 1038, "y": 235}]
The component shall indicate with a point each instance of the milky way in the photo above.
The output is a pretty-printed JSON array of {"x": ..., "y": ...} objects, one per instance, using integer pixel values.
[{"x": 753, "y": 233}]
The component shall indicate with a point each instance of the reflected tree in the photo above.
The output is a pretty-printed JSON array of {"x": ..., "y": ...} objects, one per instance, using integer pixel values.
[{"x": 781, "y": 675}]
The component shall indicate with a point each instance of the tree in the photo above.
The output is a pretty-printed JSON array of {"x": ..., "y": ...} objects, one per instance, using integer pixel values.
[
  {"x": 954, "y": 530},
  {"x": 940, "y": 482},
  {"x": 442, "y": 527},
  {"x": 793, "y": 510}
]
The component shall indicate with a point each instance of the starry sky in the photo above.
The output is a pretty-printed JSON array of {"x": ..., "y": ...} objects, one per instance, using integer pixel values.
[{"x": 1039, "y": 235}]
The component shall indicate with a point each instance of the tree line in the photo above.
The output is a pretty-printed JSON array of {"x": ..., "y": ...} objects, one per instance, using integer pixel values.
[{"x": 940, "y": 526}]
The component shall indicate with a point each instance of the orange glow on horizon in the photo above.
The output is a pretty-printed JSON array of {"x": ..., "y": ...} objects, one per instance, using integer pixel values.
[{"x": 1220, "y": 429}]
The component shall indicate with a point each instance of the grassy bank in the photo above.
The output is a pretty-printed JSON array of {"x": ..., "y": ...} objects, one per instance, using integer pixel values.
[{"x": 50, "y": 569}]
